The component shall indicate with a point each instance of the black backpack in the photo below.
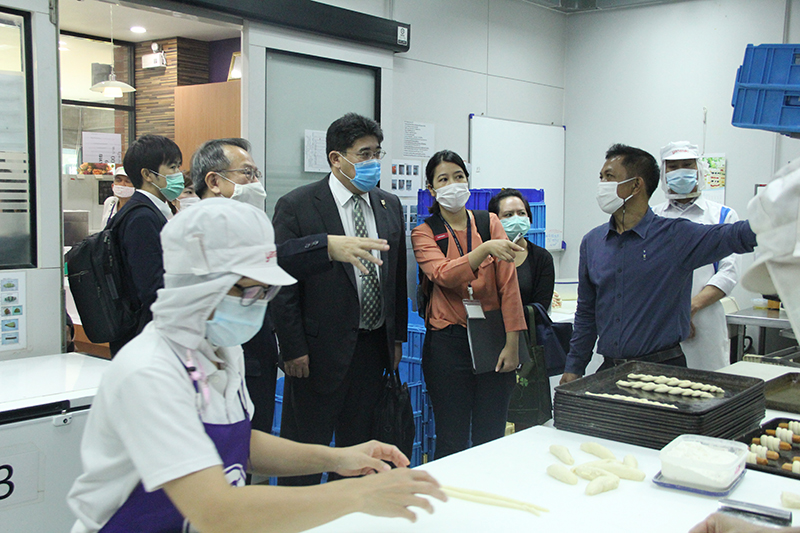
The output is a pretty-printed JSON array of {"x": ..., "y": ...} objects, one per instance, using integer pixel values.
[
  {"x": 95, "y": 273},
  {"x": 425, "y": 285}
]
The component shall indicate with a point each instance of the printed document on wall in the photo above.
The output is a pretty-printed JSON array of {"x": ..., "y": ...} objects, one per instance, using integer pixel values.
[
  {"x": 316, "y": 159},
  {"x": 13, "y": 310}
]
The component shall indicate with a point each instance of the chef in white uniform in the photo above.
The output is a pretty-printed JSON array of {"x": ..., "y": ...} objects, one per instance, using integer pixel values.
[{"x": 683, "y": 178}]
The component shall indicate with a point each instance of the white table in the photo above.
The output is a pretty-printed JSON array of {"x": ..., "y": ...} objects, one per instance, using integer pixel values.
[
  {"x": 515, "y": 466},
  {"x": 44, "y": 404}
]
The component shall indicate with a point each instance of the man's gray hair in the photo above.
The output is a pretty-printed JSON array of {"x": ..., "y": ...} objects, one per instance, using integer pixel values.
[{"x": 210, "y": 157}]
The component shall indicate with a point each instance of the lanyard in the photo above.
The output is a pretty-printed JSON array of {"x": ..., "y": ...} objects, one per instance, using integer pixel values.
[{"x": 453, "y": 233}]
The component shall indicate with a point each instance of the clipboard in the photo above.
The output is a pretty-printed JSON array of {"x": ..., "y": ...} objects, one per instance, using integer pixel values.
[{"x": 487, "y": 338}]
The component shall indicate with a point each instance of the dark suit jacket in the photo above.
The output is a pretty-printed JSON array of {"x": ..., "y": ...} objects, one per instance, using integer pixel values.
[
  {"x": 139, "y": 237},
  {"x": 319, "y": 316}
]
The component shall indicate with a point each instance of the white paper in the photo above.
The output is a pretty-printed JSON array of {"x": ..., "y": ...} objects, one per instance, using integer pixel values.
[
  {"x": 102, "y": 148},
  {"x": 13, "y": 112},
  {"x": 553, "y": 239},
  {"x": 409, "y": 213},
  {"x": 418, "y": 140},
  {"x": 13, "y": 311},
  {"x": 406, "y": 177},
  {"x": 316, "y": 159}
]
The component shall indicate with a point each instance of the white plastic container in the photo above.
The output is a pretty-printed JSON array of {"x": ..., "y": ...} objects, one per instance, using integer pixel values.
[{"x": 704, "y": 462}]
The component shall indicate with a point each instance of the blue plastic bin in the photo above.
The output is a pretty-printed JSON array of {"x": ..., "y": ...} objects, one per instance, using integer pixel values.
[
  {"x": 415, "y": 392},
  {"x": 767, "y": 91},
  {"x": 538, "y": 215},
  {"x": 416, "y": 456}
]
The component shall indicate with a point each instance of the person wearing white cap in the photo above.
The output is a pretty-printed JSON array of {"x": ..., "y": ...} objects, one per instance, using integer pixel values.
[
  {"x": 683, "y": 179},
  {"x": 168, "y": 438},
  {"x": 123, "y": 189}
]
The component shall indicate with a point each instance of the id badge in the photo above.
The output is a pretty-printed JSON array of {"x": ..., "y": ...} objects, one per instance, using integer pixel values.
[{"x": 473, "y": 309}]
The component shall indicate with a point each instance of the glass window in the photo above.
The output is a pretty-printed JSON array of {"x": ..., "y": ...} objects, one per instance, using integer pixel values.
[{"x": 17, "y": 242}]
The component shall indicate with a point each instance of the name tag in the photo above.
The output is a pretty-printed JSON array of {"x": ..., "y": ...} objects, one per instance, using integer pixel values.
[
  {"x": 439, "y": 237},
  {"x": 473, "y": 309}
]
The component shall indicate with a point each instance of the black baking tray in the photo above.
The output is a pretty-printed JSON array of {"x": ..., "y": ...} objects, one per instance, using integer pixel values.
[
  {"x": 606, "y": 382},
  {"x": 657, "y": 439},
  {"x": 774, "y": 467},
  {"x": 783, "y": 393},
  {"x": 728, "y": 415}
]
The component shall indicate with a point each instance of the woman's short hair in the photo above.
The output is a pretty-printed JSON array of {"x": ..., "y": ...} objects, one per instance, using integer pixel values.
[{"x": 494, "y": 202}]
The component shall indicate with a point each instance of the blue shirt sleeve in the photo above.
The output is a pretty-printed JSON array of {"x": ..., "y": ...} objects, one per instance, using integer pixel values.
[{"x": 709, "y": 243}]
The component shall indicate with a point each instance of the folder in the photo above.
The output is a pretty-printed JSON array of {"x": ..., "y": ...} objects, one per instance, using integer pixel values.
[{"x": 487, "y": 338}]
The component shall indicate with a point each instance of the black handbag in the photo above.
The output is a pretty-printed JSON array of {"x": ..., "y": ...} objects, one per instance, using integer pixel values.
[
  {"x": 531, "y": 403},
  {"x": 393, "y": 420},
  {"x": 554, "y": 337}
]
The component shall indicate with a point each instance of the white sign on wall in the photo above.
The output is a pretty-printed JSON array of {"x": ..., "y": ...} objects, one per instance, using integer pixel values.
[
  {"x": 102, "y": 148},
  {"x": 316, "y": 159},
  {"x": 418, "y": 140},
  {"x": 13, "y": 311}
]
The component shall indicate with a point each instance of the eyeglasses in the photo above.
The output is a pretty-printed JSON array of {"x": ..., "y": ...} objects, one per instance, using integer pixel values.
[
  {"x": 367, "y": 155},
  {"x": 256, "y": 292},
  {"x": 252, "y": 174}
]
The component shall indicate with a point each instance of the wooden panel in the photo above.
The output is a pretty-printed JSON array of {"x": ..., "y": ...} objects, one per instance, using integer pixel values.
[
  {"x": 204, "y": 112},
  {"x": 187, "y": 63},
  {"x": 84, "y": 345}
]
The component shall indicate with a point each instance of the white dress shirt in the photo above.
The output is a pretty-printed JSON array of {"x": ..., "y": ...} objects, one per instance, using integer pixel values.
[
  {"x": 159, "y": 203},
  {"x": 344, "y": 203}
]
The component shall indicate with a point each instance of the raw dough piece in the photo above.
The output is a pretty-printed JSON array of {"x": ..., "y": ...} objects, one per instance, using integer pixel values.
[
  {"x": 630, "y": 461},
  {"x": 790, "y": 499},
  {"x": 697, "y": 386},
  {"x": 602, "y": 484},
  {"x": 639, "y": 385},
  {"x": 622, "y": 383},
  {"x": 619, "y": 469},
  {"x": 597, "y": 450},
  {"x": 646, "y": 377},
  {"x": 687, "y": 392},
  {"x": 661, "y": 379},
  {"x": 634, "y": 376},
  {"x": 662, "y": 388},
  {"x": 562, "y": 473},
  {"x": 562, "y": 452},
  {"x": 675, "y": 390},
  {"x": 487, "y": 498},
  {"x": 589, "y": 472},
  {"x": 673, "y": 382},
  {"x": 649, "y": 386}
]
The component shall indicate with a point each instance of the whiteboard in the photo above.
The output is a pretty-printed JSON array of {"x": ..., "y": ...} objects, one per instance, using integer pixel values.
[{"x": 522, "y": 155}]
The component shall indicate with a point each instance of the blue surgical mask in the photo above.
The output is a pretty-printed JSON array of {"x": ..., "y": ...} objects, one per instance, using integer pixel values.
[
  {"x": 174, "y": 186},
  {"x": 368, "y": 174},
  {"x": 516, "y": 226},
  {"x": 682, "y": 181},
  {"x": 234, "y": 324}
]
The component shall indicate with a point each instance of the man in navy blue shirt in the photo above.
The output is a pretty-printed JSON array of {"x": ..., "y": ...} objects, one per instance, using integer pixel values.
[{"x": 635, "y": 272}]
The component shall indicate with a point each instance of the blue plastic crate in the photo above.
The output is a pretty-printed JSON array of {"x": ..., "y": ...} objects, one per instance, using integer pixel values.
[
  {"x": 416, "y": 338},
  {"x": 417, "y": 398},
  {"x": 410, "y": 370},
  {"x": 413, "y": 317},
  {"x": 430, "y": 450},
  {"x": 536, "y": 236},
  {"x": 276, "y": 418},
  {"x": 770, "y": 64},
  {"x": 479, "y": 199},
  {"x": 538, "y": 215},
  {"x": 419, "y": 428},
  {"x": 424, "y": 202},
  {"x": 416, "y": 456},
  {"x": 767, "y": 107}
]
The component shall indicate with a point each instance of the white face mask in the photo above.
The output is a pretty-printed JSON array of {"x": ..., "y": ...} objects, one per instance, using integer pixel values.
[
  {"x": 188, "y": 201},
  {"x": 122, "y": 191},
  {"x": 453, "y": 197},
  {"x": 607, "y": 197},
  {"x": 249, "y": 193}
]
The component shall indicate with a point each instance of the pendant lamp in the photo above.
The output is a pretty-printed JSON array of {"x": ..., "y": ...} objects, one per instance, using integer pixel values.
[{"x": 111, "y": 88}]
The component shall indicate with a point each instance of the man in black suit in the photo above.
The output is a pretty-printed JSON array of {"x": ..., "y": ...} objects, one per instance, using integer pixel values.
[
  {"x": 339, "y": 329},
  {"x": 153, "y": 166},
  {"x": 224, "y": 167}
]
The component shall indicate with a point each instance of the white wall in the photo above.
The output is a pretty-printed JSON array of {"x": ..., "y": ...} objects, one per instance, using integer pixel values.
[
  {"x": 642, "y": 77},
  {"x": 501, "y": 58}
]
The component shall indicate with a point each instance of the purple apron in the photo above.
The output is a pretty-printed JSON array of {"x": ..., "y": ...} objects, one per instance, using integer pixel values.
[{"x": 151, "y": 512}]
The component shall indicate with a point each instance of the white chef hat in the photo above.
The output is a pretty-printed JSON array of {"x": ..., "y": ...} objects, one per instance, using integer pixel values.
[
  {"x": 774, "y": 216},
  {"x": 678, "y": 150}
]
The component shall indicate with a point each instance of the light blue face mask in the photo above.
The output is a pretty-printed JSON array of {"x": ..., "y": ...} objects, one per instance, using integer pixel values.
[
  {"x": 682, "y": 181},
  {"x": 516, "y": 226},
  {"x": 368, "y": 174},
  {"x": 233, "y": 323}
]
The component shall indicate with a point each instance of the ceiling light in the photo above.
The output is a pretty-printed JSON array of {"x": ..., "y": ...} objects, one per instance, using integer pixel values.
[
  {"x": 112, "y": 88},
  {"x": 138, "y": 29}
]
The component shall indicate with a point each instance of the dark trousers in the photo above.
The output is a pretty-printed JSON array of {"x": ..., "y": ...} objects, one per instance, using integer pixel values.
[
  {"x": 261, "y": 373},
  {"x": 313, "y": 418},
  {"x": 459, "y": 397}
]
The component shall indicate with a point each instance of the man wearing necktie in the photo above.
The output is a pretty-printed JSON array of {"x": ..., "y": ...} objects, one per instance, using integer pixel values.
[{"x": 340, "y": 329}]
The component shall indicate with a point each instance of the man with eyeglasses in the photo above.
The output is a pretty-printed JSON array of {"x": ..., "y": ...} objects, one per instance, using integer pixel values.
[
  {"x": 340, "y": 329},
  {"x": 224, "y": 167}
]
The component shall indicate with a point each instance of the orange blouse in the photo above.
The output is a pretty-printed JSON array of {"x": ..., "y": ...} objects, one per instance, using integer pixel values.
[{"x": 494, "y": 284}]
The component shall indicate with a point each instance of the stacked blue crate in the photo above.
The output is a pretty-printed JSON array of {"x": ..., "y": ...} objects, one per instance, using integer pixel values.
[{"x": 767, "y": 91}]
